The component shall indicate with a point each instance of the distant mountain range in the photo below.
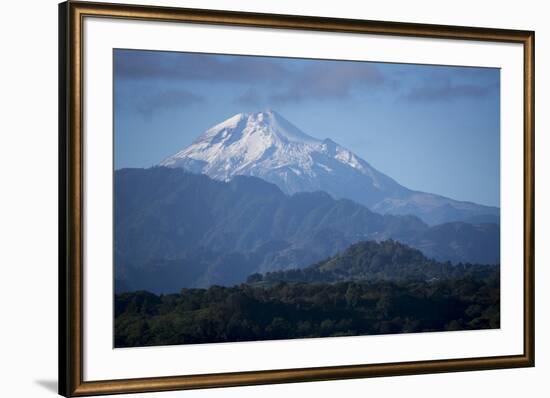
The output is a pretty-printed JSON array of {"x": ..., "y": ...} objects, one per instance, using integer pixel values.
[
  {"x": 176, "y": 229},
  {"x": 268, "y": 146}
]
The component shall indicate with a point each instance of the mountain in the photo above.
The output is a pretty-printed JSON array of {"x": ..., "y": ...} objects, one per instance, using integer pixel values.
[
  {"x": 178, "y": 229},
  {"x": 375, "y": 261},
  {"x": 268, "y": 146}
]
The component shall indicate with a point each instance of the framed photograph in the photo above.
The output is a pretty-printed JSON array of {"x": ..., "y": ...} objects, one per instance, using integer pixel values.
[{"x": 252, "y": 198}]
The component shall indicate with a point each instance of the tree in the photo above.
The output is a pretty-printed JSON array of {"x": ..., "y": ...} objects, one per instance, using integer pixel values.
[{"x": 353, "y": 294}]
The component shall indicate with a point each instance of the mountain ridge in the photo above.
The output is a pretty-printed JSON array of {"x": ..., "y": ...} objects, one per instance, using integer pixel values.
[{"x": 193, "y": 230}]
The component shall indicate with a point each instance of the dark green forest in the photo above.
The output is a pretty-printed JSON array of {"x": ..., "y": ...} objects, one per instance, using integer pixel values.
[{"x": 370, "y": 288}]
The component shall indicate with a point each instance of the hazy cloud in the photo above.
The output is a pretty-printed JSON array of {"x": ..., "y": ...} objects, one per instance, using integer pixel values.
[
  {"x": 445, "y": 90},
  {"x": 270, "y": 80},
  {"x": 250, "y": 97},
  {"x": 132, "y": 64},
  {"x": 454, "y": 83},
  {"x": 312, "y": 80},
  {"x": 330, "y": 80},
  {"x": 150, "y": 104}
]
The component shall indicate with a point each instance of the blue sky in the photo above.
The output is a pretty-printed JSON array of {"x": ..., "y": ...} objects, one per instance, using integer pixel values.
[{"x": 431, "y": 128}]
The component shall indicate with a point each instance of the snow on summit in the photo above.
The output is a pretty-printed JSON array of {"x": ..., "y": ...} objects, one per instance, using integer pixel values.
[{"x": 266, "y": 145}]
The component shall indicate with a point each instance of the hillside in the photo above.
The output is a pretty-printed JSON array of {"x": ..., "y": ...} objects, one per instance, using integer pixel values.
[
  {"x": 375, "y": 261},
  {"x": 188, "y": 230}
]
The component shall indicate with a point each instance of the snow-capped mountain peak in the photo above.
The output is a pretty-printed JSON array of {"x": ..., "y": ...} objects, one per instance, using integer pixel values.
[
  {"x": 266, "y": 123},
  {"x": 266, "y": 145}
]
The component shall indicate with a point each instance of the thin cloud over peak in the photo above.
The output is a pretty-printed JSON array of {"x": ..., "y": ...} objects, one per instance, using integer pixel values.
[{"x": 330, "y": 80}]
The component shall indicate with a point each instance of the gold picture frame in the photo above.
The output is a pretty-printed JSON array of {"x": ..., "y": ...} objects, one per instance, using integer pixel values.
[{"x": 71, "y": 239}]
